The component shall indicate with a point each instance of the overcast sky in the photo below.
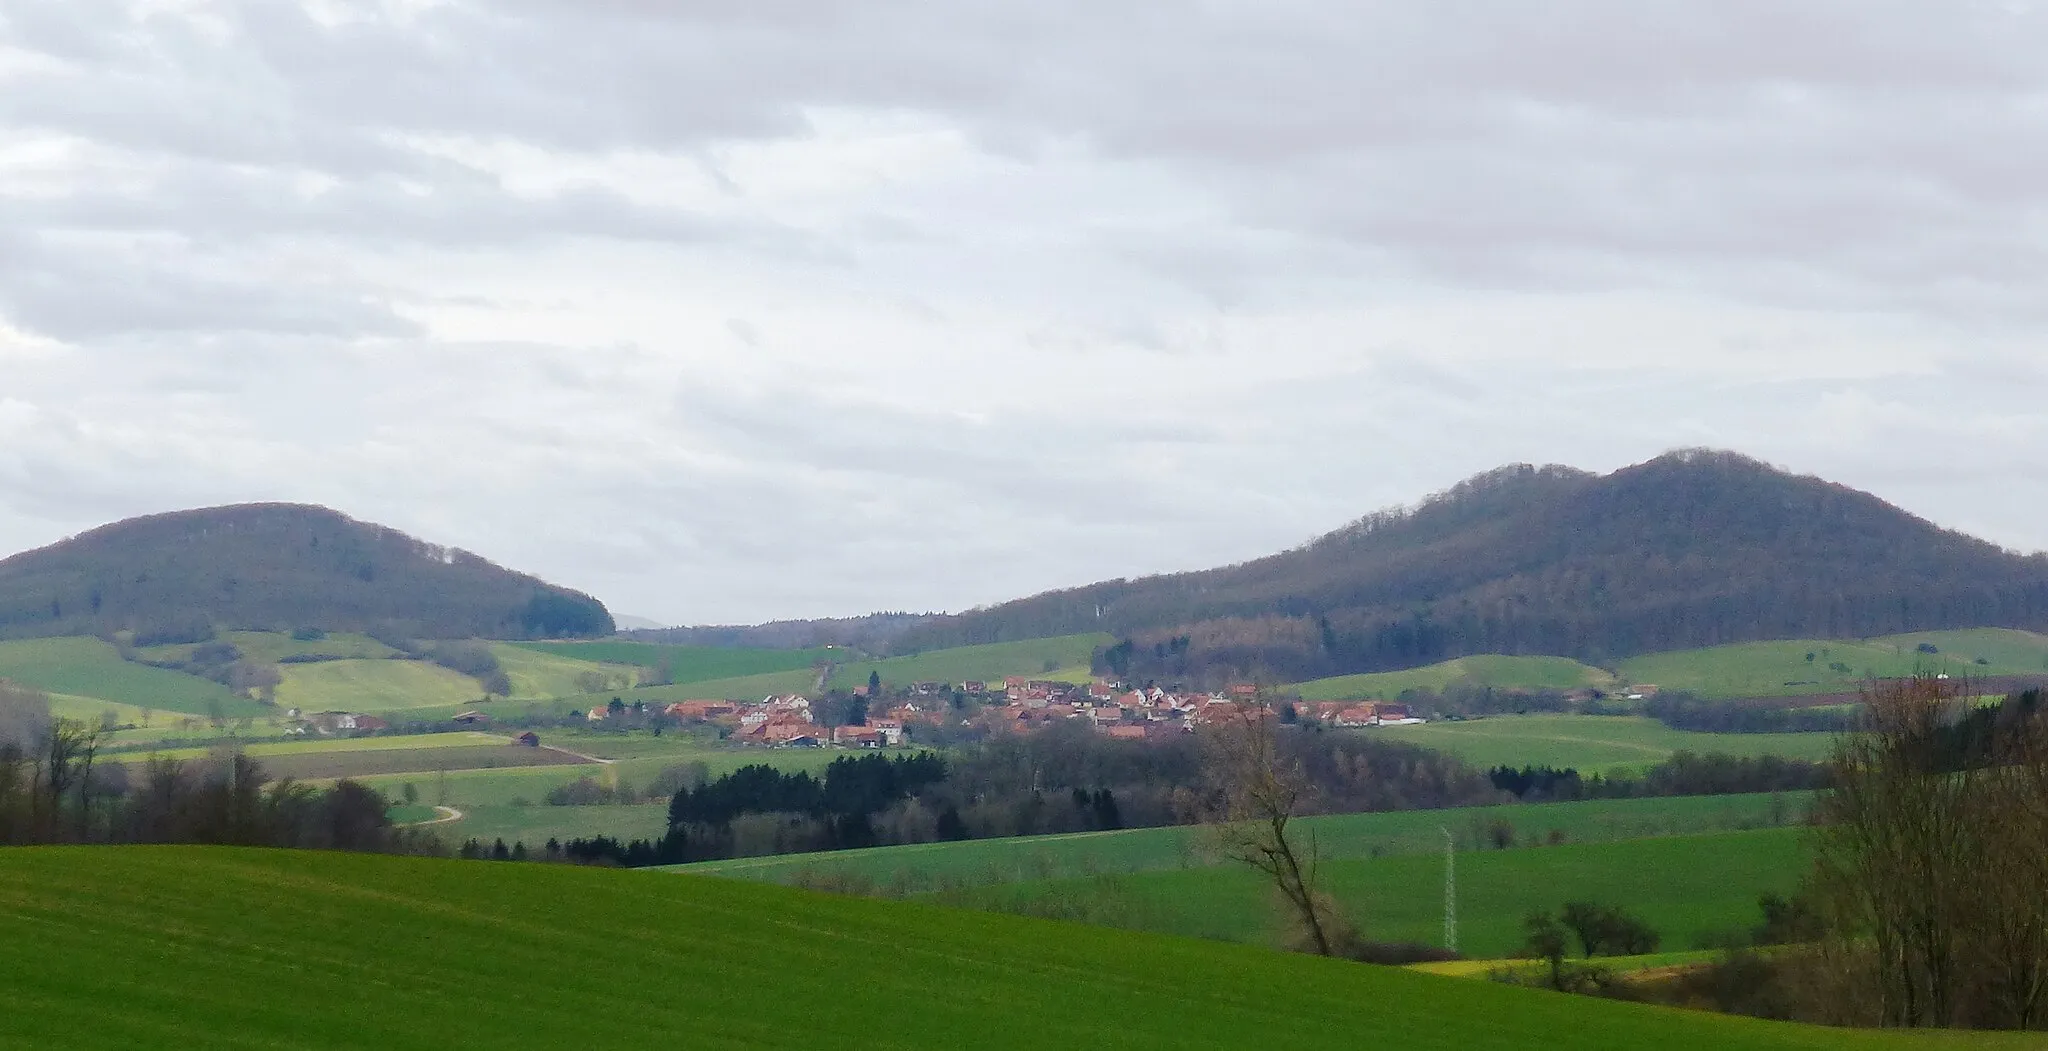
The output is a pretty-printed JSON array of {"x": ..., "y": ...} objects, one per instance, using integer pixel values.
[{"x": 729, "y": 310}]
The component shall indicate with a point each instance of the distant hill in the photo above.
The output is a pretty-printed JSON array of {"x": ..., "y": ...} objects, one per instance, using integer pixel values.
[
  {"x": 1695, "y": 548},
  {"x": 276, "y": 567}
]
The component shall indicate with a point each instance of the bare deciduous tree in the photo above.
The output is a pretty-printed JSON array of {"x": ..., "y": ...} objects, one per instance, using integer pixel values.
[{"x": 1258, "y": 794}]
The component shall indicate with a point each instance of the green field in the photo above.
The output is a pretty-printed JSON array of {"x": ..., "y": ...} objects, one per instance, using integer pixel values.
[
  {"x": 535, "y": 825},
  {"x": 1689, "y": 888},
  {"x": 373, "y": 686},
  {"x": 927, "y": 866},
  {"x": 1780, "y": 669},
  {"x": 538, "y": 674},
  {"x": 689, "y": 663},
  {"x": 331, "y": 745},
  {"x": 1590, "y": 743},
  {"x": 84, "y": 667},
  {"x": 1552, "y": 673},
  {"x": 639, "y": 759},
  {"x": 228, "y": 948},
  {"x": 744, "y": 688},
  {"x": 274, "y": 646},
  {"x": 1067, "y": 656}
]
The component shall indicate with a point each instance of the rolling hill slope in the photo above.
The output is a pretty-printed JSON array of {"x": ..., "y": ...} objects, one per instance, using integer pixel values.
[
  {"x": 276, "y": 567},
  {"x": 1688, "y": 550},
  {"x": 225, "y": 948}
]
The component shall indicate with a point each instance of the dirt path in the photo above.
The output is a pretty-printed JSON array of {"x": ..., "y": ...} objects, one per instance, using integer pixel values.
[{"x": 448, "y": 813}]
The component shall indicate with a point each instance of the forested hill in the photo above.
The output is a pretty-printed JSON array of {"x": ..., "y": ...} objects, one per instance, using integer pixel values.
[
  {"x": 276, "y": 567},
  {"x": 1692, "y": 549}
]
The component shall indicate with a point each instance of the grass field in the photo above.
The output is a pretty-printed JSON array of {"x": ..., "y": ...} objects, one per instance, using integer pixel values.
[
  {"x": 639, "y": 759},
  {"x": 689, "y": 663},
  {"x": 227, "y": 948},
  {"x": 535, "y": 825},
  {"x": 273, "y": 646},
  {"x": 332, "y": 745},
  {"x": 1066, "y": 655},
  {"x": 373, "y": 686},
  {"x": 1608, "y": 743},
  {"x": 539, "y": 674},
  {"x": 1688, "y": 888},
  {"x": 1554, "y": 673},
  {"x": 421, "y": 756},
  {"x": 1780, "y": 669},
  {"x": 927, "y": 866},
  {"x": 84, "y": 667}
]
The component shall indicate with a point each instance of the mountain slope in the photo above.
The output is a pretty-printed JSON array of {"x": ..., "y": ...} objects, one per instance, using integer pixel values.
[
  {"x": 276, "y": 567},
  {"x": 1691, "y": 549},
  {"x": 220, "y": 947}
]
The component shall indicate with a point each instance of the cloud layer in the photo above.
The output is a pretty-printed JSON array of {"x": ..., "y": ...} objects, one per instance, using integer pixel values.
[{"x": 728, "y": 311}]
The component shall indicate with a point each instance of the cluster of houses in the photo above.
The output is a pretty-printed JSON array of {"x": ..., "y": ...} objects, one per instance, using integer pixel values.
[{"x": 1016, "y": 705}]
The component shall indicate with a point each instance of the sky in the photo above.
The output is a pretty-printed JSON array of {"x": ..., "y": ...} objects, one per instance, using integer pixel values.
[{"x": 735, "y": 310}]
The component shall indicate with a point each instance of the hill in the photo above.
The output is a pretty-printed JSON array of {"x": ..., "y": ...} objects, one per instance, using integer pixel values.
[
  {"x": 276, "y": 567},
  {"x": 213, "y": 947},
  {"x": 1689, "y": 550}
]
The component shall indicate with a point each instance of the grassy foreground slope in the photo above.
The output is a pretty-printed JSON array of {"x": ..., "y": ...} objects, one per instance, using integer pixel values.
[{"x": 220, "y": 948}]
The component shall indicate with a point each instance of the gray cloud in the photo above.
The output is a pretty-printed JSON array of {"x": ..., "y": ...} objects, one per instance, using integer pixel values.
[{"x": 734, "y": 310}]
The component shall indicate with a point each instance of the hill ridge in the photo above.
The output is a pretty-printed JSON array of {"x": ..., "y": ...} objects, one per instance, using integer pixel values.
[{"x": 276, "y": 566}]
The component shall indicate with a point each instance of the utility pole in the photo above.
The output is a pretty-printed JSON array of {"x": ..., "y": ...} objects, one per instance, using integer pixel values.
[{"x": 1450, "y": 890}]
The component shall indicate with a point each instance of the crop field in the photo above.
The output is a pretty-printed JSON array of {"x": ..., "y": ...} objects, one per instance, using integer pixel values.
[
  {"x": 373, "y": 686},
  {"x": 84, "y": 667},
  {"x": 1037, "y": 658},
  {"x": 1781, "y": 669},
  {"x": 514, "y": 787},
  {"x": 1689, "y": 888},
  {"x": 331, "y": 745},
  {"x": 1591, "y": 742},
  {"x": 927, "y": 866},
  {"x": 1555, "y": 673},
  {"x": 230, "y": 948}
]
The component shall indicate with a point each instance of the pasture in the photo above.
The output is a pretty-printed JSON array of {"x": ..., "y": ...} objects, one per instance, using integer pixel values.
[
  {"x": 1689, "y": 888},
  {"x": 373, "y": 686},
  {"x": 1590, "y": 743},
  {"x": 1551, "y": 673},
  {"x": 87, "y": 667},
  {"x": 272, "y": 646},
  {"x": 1066, "y": 656},
  {"x": 231, "y": 948},
  {"x": 688, "y": 664},
  {"x": 1782, "y": 669},
  {"x": 537, "y": 674},
  {"x": 928, "y": 866}
]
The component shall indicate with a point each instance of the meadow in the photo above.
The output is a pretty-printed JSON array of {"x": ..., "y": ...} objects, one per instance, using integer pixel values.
[
  {"x": 1065, "y": 657},
  {"x": 1782, "y": 669},
  {"x": 537, "y": 674},
  {"x": 688, "y": 663},
  {"x": 1688, "y": 888},
  {"x": 929, "y": 866},
  {"x": 91, "y": 668},
  {"x": 374, "y": 686},
  {"x": 1590, "y": 743},
  {"x": 1534, "y": 673},
  {"x": 234, "y": 948},
  {"x": 274, "y": 646}
]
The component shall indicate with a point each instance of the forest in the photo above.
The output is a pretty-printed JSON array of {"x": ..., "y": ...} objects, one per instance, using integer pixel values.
[
  {"x": 276, "y": 567},
  {"x": 1692, "y": 549}
]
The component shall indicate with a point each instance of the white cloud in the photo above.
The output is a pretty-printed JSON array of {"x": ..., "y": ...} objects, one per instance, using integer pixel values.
[{"x": 730, "y": 311}]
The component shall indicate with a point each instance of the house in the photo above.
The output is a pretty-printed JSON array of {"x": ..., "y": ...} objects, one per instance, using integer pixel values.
[
  {"x": 699, "y": 710},
  {"x": 529, "y": 739},
  {"x": 1244, "y": 690},
  {"x": 343, "y": 722},
  {"x": 890, "y": 731},
  {"x": 1099, "y": 691},
  {"x": 857, "y": 737},
  {"x": 974, "y": 686},
  {"x": 926, "y": 689}
]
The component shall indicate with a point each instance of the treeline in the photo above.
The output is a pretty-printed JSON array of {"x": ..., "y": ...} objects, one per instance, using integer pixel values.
[
  {"x": 54, "y": 788},
  {"x": 1689, "y": 550},
  {"x": 276, "y": 567},
  {"x": 1683, "y": 712},
  {"x": 1684, "y": 774},
  {"x": 1062, "y": 779}
]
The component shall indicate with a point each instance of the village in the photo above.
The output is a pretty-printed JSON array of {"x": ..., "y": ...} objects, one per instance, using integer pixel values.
[{"x": 1016, "y": 705}]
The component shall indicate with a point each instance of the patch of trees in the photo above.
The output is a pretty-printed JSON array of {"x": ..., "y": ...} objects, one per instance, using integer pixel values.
[
  {"x": 1684, "y": 774},
  {"x": 275, "y": 567},
  {"x": 54, "y": 788},
  {"x": 1684, "y": 712},
  {"x": 1692, "y": 549}
]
